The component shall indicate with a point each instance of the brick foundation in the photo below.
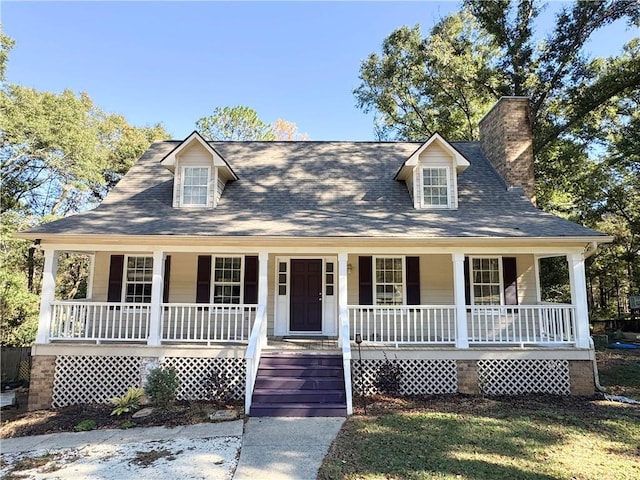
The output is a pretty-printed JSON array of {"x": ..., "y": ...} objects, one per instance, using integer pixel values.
[
  {"x": 582, "y": 381},
  {"x": 41, "y": 384},
  {"x": 467, "y": 377}
]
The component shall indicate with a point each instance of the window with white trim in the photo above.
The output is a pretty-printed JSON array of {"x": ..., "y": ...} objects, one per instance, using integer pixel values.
[
  {"x": 436, "y": 188},
  {"x": 486, "y": 281},
  {"x": 195, "y": 186},
  {"x": 227, "y": 280},
  {"x": 389, "y": 281},
  {"x": 138, "y": 279}
]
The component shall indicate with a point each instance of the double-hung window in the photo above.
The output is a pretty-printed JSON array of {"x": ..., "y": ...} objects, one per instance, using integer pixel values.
[
  {"x": 195, "y": 189},
  {"x": 138, "y": 278},
  {"x": 485, "y": 281},
  {"x": 389, "y": 284},
  {"x": 436, "y": 189},
  {"x": 227, "y": 280}
]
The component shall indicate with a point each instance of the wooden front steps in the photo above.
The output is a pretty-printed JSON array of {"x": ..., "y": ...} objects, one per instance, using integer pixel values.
[{"x": 299, "y": 385}]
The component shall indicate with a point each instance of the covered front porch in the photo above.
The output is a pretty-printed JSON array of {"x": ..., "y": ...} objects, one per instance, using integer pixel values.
[{"x": 422, "y": 301}]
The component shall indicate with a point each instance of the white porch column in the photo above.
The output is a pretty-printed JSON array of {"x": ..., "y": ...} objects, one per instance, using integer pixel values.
[
  {"x": 462, "y": 335},
  {"x": 92, "y": 268},
  {"x": 48, "y": 294},
  {"x": 263, "y": 279},
  {"x": 343, "y": 314},
  {"x": 157, "y": 284},
  {"x": 578, "y": 280}
]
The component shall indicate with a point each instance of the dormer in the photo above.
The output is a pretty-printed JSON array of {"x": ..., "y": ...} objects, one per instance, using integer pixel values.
[
  {"x": 431, "y": 174},
  {"x": 199, "y": 173}
]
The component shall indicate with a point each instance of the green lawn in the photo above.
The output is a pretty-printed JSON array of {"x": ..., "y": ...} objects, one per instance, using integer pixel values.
[
  {"x": 620, "y": 372},
  {"x": 464, "y": 437}
]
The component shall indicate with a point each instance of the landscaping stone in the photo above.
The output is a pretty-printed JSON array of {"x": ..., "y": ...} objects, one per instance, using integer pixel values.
[
  {"x": 145, "y": 412},
  {"x": 222, "y": 415}
]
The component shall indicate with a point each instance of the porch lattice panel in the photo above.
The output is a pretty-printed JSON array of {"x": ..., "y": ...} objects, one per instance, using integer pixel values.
[
  {"x": 93, "y": 379},
  {"x": 417, "y": 377},
  {"x": 515, "y": 377},
  {"x": 194, "y": 374}
]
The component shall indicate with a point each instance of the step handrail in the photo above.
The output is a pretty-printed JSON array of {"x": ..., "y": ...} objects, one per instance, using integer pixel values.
[
  {"x": 346, "y": 362},
  {"x": 257, "y": 340}
]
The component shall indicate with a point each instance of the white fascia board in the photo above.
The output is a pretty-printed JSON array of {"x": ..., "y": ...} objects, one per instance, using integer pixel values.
[
  {"x": 169, "y": 161},
  {"x": 461, "y": 163}
]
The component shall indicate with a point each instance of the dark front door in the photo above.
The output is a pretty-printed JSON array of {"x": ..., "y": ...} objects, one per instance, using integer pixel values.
[{"x": 305, "y": 314}]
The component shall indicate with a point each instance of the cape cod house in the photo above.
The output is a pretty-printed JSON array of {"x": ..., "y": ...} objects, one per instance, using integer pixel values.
[{"x": 261, "y": 264}]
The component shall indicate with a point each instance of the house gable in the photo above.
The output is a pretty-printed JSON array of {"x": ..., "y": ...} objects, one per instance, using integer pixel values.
[
  {"x": 431, "y": 174},
  {"x": 200, "y": 173}
]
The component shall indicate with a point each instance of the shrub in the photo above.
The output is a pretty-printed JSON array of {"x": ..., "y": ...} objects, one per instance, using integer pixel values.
[
  {"x": 162, "y": 385},
  {"x": 218, "y": 386},
  {"x": 127, "y": 424},
  {"x": 85, "y": 426},
  {"x": 128, "y": 402},
  {"x": 389, "y": 375}
]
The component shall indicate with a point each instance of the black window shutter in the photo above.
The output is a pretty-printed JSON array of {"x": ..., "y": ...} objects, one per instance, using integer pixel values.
[
  {"x": 167, "y": 274},
  {"x": 413, "y": 280},
  {"x": 510, "y": 279},
  {"x": 203, "y": 283},
  {"x": 250, "y": 279},
  {"x": 365, "y": 273},
  {"x": 467, "y": 282},
  {"x": 116, "y": 269}
]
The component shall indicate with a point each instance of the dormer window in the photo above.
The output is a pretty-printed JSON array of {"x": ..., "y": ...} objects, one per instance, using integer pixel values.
[
  {"x": 431, "y": 174},
  {"x": 195, "y": 190},
  {"x": 436, "y": 191},
  {"x": 200, "y": 173}
]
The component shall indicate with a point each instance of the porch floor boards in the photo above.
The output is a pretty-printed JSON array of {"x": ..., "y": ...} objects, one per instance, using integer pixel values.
[{"x": 284, "y": 344}]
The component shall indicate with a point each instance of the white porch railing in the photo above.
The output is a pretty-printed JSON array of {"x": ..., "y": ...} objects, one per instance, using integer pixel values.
[
  {"x": 130, "y": 322},
  {"x": 206, "y": 323},
  {"x": 522, "y": 324},
  {"x": 403, "y": 324},
  {"x": 257, "y": 341},
  {"x": 97, "y": 321}
]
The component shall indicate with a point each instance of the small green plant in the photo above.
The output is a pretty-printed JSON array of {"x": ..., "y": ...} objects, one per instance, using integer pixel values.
[
  {"x": 389, "y": 376},
  {"x": 128, "y": 402},
  {"x": 162, "y": 386},
  {"x": 127, "y": 424},
  {"x": 85, "y": 426}
]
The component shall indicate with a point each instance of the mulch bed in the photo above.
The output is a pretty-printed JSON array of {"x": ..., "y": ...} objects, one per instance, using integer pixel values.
[{"x": 66, "y": 419}]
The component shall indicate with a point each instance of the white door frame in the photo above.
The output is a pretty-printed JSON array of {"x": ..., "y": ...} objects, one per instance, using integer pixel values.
[{"x": 282, "y": 302}]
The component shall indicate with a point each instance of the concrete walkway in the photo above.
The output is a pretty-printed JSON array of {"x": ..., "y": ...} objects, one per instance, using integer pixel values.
[
  {"x": 271, "y": 449},
  {"x": 285, "y": 448},
  {"x": 117, "y": 437}
]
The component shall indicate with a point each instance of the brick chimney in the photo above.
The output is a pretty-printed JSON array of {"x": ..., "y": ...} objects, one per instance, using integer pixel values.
[{"x": 506, "y": 139}]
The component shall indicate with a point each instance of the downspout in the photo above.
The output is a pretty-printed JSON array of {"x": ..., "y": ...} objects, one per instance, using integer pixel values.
[
  {"x": 596, "y": 376},
  {"x": 590, "y": 249}
]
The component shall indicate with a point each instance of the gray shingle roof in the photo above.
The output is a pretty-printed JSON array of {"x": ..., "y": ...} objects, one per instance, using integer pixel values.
[{"x": 315, "y": 189}]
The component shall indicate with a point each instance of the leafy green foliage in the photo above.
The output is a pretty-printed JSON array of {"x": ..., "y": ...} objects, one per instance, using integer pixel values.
[
  {"x": 85, "y": 426},
  {"x": 441, "y": 83},
  {"x": 234, "y": 123},
  {"x": 162, "y": 386},
  {"x": 242, "y": 123},
  {"x": 127, "y": 424},
  {"x": 129, "y": 402}
]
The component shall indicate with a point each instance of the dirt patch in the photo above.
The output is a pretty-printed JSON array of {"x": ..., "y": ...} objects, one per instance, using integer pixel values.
[{"x": 66, "y": 419}]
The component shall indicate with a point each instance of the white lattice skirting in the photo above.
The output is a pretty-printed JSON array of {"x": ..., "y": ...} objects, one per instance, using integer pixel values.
[
  {"x": 516, "y": 377},
  {"x": 197, "y": 374},
  {"x": 417, "y": 377},
  {"x": 97, "y": 379}
]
